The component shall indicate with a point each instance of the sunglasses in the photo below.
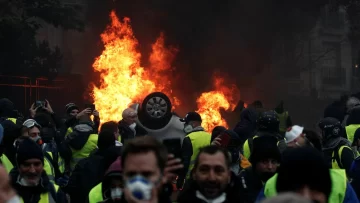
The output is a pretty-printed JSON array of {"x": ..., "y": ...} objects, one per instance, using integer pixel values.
[{"x": 30, "y": 123}]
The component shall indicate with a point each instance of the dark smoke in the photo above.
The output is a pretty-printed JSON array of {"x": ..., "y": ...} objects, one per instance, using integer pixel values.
[{"x": 237, "y": 37}]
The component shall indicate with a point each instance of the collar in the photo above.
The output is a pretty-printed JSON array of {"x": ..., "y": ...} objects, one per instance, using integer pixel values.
[{"x": 219, "y": 199}]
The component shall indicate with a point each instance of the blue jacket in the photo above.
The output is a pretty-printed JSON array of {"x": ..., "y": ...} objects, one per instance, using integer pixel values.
[{"x": 350, "y": 195}]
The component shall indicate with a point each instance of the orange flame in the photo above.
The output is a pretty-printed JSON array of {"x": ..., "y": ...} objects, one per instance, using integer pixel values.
[
  {"x": 123, "y": 80},
  {"x": 210, "y": 103}
]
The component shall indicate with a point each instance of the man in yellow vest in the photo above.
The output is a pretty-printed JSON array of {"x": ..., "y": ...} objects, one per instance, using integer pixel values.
[
  {"x": 29, "y": 179},
  {"x": 352, "y": 123},
  {"x": 337, "y": 150},
  {"x": 82, "y": 141},
  {"x": 284, "y": 118},
  {"x": 195, "y": 139},
  {"x": 304, "y": 171}
]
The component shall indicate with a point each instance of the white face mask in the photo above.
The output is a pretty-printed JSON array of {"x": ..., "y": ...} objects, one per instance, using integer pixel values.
[
  {"x": 116, "y": 193},
  {"x": 15, "y": 199},
  {"x": 132, "y": 126},
  {"x": 188, "y": 129}
]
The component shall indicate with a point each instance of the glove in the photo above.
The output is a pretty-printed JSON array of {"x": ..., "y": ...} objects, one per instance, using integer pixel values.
[{"x": 62, "y": 181}]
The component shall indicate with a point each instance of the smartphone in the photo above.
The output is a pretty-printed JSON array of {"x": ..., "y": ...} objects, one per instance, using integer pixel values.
[
  {"x": 91, "y": 106},
  {"x": 39, "y": 104},
  {"x": 225, "y": 139},
  {"x": 173, "y": 146}
]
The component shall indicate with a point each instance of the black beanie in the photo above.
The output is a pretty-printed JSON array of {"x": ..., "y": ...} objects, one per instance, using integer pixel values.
[
  {"x": 28, "y": 149},
  {"x": 304, "y": 166},
  {"x": 264, "y": 147}
]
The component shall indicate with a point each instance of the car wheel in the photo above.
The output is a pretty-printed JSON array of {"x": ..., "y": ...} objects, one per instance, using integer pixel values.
[{"x": 155, "y": 111}]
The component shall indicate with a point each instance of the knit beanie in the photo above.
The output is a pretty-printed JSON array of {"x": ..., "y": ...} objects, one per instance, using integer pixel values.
[
  {"x": 28, "y": 149},
  {"x": 70, "y": 106},
  {"x": 264, "y": 147}
]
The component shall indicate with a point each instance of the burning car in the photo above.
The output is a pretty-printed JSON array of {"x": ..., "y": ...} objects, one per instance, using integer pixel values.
[{"x": 156, "y": 116}]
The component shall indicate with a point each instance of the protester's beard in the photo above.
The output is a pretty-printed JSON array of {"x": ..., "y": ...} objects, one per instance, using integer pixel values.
[
  {"x": 264, "y": 176},
  {"x": 210, "y": 189}
]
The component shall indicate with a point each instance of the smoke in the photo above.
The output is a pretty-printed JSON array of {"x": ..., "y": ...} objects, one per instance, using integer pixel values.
[{"x": 230, "y": 36}]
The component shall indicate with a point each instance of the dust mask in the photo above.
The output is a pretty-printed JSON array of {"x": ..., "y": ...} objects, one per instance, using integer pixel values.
[
  {"x": 188, "y": 129},
  {"x": 116, "y": 193},
  {"x": 132, "y": 126}
]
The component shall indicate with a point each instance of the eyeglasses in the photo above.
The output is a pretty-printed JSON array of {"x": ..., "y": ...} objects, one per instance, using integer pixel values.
[{"x": 30, "y": 123}]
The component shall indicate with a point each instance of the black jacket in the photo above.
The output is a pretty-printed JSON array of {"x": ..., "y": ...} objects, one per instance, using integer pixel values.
[
  {"x": 32, "y": 194},
  {"x": 251, "y": 184},
  {"x": 89, "y": 172},
  {"x": 234, "y": 193}
]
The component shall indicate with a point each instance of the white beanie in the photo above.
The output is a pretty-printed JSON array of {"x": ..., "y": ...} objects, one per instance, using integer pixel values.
[{"x": 293, "y": 132}]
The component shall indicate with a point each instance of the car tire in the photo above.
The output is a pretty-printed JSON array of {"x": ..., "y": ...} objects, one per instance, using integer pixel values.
[{"x": 155, "y": 111}]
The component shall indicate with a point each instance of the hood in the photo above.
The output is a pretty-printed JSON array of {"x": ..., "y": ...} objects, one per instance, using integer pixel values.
[
  {"x": 247, "y": 124},
  {"x": 115, "y": 170},
  {"x": 83, "y": 128},
  {"x": 351, "y": 103},
  {"x": 354, "y": 116},
  {"x": 6, "y": 108}
]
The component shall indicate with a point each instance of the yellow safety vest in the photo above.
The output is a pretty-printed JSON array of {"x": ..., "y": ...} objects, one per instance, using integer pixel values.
[
  {"x": 12, "y": 120},
  {"x": 283, "y": 119},
  {"x": 334, "y": 163},
  {"x": 338, "y": 190},
  {"x": 49, "y": 168},
  {"x": 350, "y": 131},
  {"x": 61, "y": 164},
  {"x": 95, "y": 194},
  {"x": 198, "y": 140},
  {"x": 6, "y": 163},
  {"x": 246, "y": 147},
  {"x": 45, "y": 197},
  {"x": 90, "y": 145}
]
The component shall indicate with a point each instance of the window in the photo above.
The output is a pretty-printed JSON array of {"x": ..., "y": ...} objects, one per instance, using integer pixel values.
[{"x": 332, "y": 73}]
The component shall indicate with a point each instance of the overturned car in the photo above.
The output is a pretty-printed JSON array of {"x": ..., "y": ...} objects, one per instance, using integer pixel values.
[{"x": 156, "y": 117}]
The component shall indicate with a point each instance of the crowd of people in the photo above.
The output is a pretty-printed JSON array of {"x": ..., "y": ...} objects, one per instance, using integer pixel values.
[{"x": 264, "y": 158}]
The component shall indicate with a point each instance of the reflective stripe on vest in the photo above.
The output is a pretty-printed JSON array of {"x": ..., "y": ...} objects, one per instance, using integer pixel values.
[
  {"x": 338, "y": 190},
  {"x": 6, "y": 163},
  {"x": 49, "y": 168},
  {"x": 95, "y": 194},
  {"x": 350, "y": 131},
  {"x": 61, "y": 164},
  {"x": 45, "y": 197},
  {"x": 90, "y": 145},
  {"x": 198, "y": 140},
  {"x": 246, "y": 148},
  {"x": 283, "y": 120},
  {"x": 12, "y": 120},
  {"x": 68, "y": 131}
]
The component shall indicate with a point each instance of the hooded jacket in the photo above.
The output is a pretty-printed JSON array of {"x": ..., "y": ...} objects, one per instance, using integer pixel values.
[
  {"x": 246, "y": 127},
  {"x": 95, "y": 167},
  {"x": 115, "y": 170}
]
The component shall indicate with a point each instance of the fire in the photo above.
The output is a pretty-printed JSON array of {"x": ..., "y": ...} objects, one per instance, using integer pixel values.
[
  {"x": 123, "y": 79},
  {"x": 210, "y": 103}
]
